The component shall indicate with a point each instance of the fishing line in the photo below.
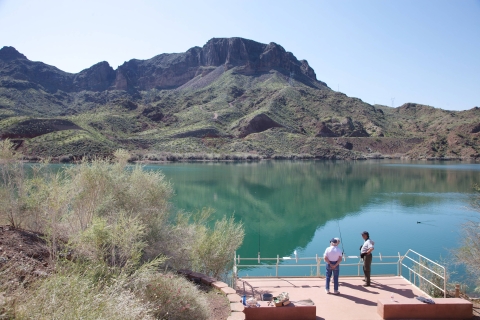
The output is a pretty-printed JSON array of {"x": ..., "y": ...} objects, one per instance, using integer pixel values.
[{"x": 258, "y": 240}]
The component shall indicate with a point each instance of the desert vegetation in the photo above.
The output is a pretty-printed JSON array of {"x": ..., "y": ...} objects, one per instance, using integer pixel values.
[
  {"x": 113, "y": 242},
  {"x": 469, "y": 253}
]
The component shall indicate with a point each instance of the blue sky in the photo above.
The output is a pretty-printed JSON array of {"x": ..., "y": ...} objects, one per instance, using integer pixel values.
[{"x": 384, "y": 52}]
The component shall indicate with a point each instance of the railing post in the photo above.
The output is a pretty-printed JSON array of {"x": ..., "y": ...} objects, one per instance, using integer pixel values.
[
  {"x": 318, "y": 265},
  {"x": 399, "y": 265},
  {"x": 259, "y": 257},
  {"x": 234, "y": 280},
  {"x": 445, "y": 282}
]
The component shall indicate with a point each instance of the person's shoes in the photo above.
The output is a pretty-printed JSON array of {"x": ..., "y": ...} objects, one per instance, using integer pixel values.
[
  {"x": 336, "y": 292},
  {"x": 364, "y": 280},
  {"x": 327, "y": 291},
  {"x": 366, "y": 285}
]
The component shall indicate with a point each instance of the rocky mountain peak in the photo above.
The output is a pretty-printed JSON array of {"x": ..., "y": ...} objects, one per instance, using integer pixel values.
[
  {"x": 96, "y": 78},
  {"x": 10, "y": 53},
  {"x": 165, "y": 71},
  {"x": 254, "y": 56}
]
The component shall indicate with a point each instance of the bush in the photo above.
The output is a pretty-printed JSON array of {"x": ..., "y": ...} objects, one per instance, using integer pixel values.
[
  {"x": 70, "y": 294},
  {"x": 114, "y": 219},
  {"x": 12, "y": 183},
  {"x": 213, "y": 250},
  {"x": 469, "y": 252},
  {"x": 438, "y": 282},
  {"x": 173, "y": 297},
  {"x": 191, "y": 244}
]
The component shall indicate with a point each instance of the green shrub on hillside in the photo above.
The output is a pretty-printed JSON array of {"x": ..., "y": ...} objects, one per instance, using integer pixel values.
[
  {"x": 172, "y": 297},
  {"x": 12, "y": 189},
  {"x": 115, "y": 221},
  {"x": 72, "y": 294}
]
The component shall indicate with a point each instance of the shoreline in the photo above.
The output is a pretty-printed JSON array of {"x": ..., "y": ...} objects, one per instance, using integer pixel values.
[{"x": 228, "y": 158}]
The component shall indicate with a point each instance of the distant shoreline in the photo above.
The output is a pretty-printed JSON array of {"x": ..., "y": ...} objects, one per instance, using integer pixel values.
[{"x": 227, "y": 158}]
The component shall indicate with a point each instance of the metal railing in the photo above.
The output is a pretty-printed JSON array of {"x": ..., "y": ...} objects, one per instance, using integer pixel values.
[
  {"x": 436, "y": 273},
  {"x": 418, "y": 271}
]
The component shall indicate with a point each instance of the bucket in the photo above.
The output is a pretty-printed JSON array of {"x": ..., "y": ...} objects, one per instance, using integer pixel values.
[{"x": 267, "y": 297}]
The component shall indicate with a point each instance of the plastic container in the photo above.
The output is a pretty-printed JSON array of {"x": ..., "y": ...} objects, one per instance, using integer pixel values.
[{"x": 267, "y": 297}]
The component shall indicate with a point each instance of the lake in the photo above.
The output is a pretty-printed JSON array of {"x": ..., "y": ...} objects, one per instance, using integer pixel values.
[{"x": 300, "y": 205}]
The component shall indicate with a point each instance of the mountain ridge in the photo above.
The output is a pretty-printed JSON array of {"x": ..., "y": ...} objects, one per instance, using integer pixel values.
[
  {"x": 156, "y": 72},
  {"x": 230, "y": 96}
]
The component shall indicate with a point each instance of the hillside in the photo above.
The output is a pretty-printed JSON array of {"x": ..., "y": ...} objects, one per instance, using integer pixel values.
[{"x": 230, "y": 99}]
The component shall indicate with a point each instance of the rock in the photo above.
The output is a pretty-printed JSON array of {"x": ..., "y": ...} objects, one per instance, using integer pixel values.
[
  {"x": 348, "y": 145},
  {"x": 98, "y": 77},
  {"x": 259, "y": 123},
  {"x": 36, "y": 127},
  {"x": 475, "y": 128},
  {"x": 347, "y": 123},
  {"x": 66, "y": 159},
  {"x": 359, "y": 133},
  {"x": 165, "y": 71},
  {"x": 153, "y": 114},
  {"x": 324, "y": 131},
  {"x": 199, "y": 133},
  {"x": 10, "y": 53},
  {"x": 127, "y": 104},
  {"x": 208, "y": 280}
]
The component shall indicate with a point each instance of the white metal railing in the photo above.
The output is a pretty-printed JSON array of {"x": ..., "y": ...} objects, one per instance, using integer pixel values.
[
  {"x": 398, "y": 261},
  {"x": 419, "y": 266}
]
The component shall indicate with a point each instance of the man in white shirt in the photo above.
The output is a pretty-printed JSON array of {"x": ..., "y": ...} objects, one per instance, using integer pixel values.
[
  {"x": 333, "y": 257},
  {"x": 366, "y": 254}
]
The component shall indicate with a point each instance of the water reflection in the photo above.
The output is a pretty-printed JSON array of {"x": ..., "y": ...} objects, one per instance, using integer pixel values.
[{"x": 284, "y": 203}]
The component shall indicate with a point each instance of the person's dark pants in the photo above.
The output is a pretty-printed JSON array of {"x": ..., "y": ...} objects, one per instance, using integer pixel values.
[{"x": 367, "y": 264}]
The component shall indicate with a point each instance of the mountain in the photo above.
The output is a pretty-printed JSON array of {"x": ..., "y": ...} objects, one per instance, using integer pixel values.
[{"x": 230, "y": 99}]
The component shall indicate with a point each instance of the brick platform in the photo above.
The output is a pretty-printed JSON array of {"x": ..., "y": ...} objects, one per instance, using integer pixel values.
[{"x": 444, "y": 308}]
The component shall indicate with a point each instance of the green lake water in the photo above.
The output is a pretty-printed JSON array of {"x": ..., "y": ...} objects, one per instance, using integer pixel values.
[{"x": 300, "y": 205}]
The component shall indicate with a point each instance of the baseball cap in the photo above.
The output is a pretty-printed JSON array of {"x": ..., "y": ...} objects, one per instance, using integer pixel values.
[{"x": 333, "y": 240}]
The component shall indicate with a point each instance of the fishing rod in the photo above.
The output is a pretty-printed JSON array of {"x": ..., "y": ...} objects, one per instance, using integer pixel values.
[
  {"x": 258, "y": 231},
  {"x": 259, "y": 244},
  {"x": 341, "y": 239}
]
